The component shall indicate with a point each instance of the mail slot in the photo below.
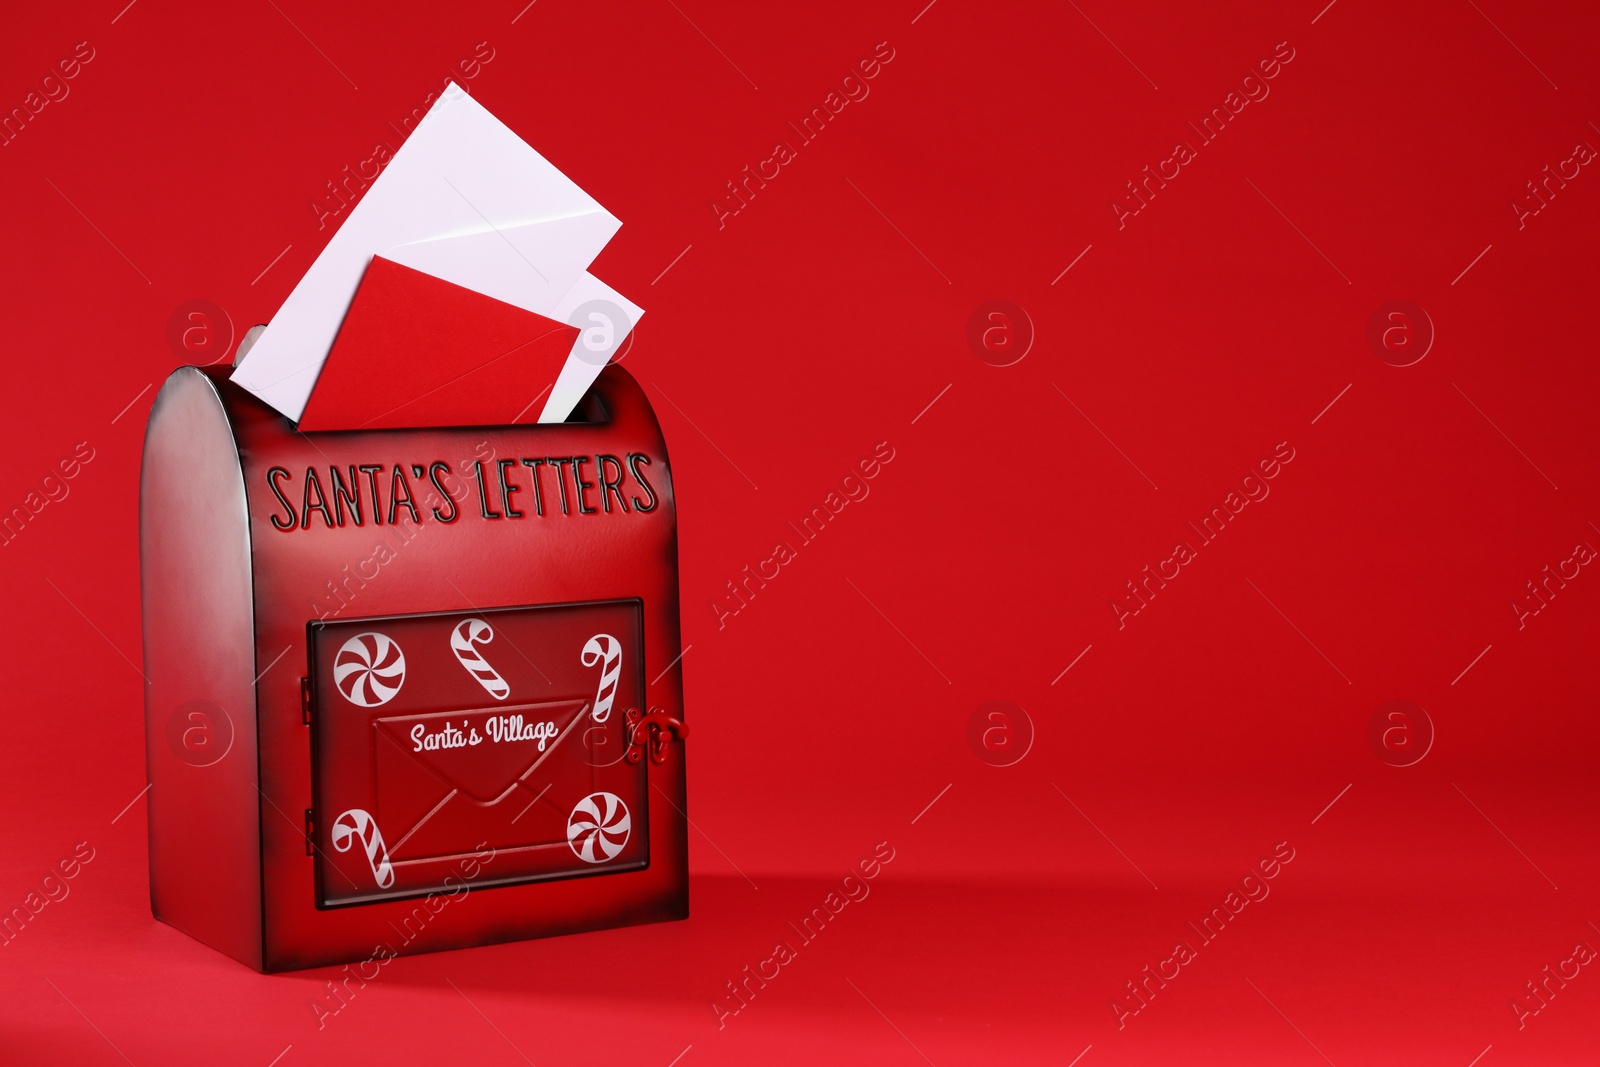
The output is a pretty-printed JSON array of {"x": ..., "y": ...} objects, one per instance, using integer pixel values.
[{"x": 409, "y": 689}]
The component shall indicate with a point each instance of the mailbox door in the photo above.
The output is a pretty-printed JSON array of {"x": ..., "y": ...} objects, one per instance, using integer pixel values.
[{"x": 436, "y": 737}]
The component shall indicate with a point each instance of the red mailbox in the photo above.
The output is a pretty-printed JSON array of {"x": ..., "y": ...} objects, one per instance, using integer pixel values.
[{"x": 409, "y": 689}]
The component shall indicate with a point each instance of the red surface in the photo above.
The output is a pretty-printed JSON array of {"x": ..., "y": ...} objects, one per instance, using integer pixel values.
[
  {"x": 832, "y": 707},
  {"x": 415, "y": 350}
]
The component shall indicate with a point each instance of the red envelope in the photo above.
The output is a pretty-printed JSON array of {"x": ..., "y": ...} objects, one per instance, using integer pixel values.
[{"x": 415, "y": 350}]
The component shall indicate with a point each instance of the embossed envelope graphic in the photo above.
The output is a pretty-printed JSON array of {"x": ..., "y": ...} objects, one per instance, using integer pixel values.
[{"x": 492, "y": 789}]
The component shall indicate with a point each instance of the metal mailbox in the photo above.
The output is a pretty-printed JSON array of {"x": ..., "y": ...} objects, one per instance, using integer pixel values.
[{"x": 409, "y": 689}]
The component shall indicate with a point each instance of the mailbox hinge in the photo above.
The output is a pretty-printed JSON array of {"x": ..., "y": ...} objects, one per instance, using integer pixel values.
[
  {"x": 305, "y": 701},
  {"x": 311, "y": 831}
]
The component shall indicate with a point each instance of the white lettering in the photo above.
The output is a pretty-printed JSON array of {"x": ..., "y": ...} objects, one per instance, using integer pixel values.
[{"x": 501, "y": 729}]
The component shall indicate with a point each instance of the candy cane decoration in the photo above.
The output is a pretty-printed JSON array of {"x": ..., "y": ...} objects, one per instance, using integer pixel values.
[
  {"x": 357, "y": 823},
  {"x": 604, "y": 647},
  {"x": 463, "y": 641}
]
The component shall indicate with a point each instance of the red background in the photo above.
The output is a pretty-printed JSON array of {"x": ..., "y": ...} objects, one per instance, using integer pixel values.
[{"x": 822, "y": 319}]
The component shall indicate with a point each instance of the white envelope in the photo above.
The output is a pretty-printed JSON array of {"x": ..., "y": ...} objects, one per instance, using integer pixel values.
[
  {"x": 602, "y": 330},
  {"x": 466, "y": 200}
]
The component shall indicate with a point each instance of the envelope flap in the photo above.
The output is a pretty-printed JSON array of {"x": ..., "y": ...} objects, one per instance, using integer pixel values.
[{"x": 521, "y": 263}]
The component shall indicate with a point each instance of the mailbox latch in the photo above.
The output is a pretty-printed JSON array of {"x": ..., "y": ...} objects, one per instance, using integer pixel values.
[{"x": 652, "y": 731}]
